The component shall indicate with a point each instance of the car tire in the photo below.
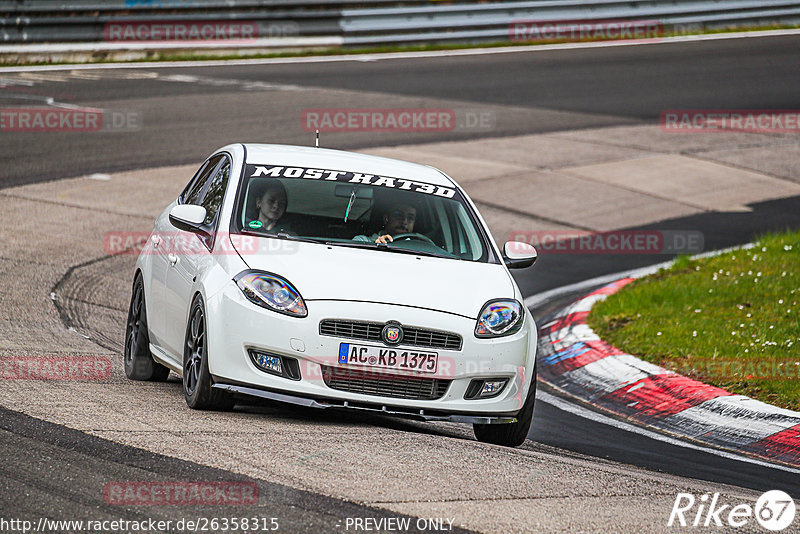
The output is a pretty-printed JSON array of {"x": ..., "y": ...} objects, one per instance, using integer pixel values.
[
  {"x": 137, "y": 359},
  {"x": 197, "y": 383},
  {"x": 510, "y": 434}
]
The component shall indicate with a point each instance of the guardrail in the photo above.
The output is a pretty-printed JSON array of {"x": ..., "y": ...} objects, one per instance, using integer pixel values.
[
  {"x": 492, "y": 22},
  {"x": 368, "y": 22},
  {"x": 30, "y": 6}
]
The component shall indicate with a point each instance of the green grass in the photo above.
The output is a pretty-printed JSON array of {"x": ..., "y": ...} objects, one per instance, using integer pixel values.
[
  {"x": 337, "y": 51},
  {"x": 731, "y": 320}
]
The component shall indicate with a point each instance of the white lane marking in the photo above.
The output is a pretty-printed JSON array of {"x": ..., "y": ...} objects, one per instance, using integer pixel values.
[
  {"x": 179, "y": 78},
  {"x": 248, "y": 85},
  {"x": 84, "y": 75},
  {"x": 49, "y": 101},
  {"x": 132, "y": 75},
  {"x": 100, "y": 177},
  {"x": 37, "y": 77},
  {"x": 405, "y": 55},
  {"x": 6, "y": 82},
  {"x": 224, "y": 82},
  {"x": 585, "y": 413}
]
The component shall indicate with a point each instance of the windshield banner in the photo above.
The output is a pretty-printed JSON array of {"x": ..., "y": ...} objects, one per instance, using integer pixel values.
[{"x": 277, "y": 171}]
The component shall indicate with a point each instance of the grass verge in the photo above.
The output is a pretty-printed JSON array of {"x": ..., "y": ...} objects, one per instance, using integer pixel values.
[{"x": 731, "y": 320}]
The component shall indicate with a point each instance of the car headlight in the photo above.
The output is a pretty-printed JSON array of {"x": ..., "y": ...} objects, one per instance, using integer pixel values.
[
  {"x": 501, "y": 317},
  {"x": 272, "y": 292}
]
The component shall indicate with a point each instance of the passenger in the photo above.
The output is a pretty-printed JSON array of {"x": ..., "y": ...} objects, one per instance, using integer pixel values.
[{"x": 270, "y": 207}]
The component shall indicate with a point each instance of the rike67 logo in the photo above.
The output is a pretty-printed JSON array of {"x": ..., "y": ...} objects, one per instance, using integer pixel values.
[{"x": 774, "y": 510}]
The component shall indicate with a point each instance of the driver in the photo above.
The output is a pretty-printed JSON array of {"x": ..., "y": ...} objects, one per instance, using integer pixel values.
[{"x": 398, "y": 220}]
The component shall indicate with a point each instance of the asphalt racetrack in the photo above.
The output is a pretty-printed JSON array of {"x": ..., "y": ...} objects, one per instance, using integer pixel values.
[{"x": 177, "y": 115}]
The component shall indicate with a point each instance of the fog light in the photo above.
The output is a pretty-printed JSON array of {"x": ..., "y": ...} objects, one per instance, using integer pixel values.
[
  {"x": 485, "y": 388},
  {"x": 268, "y": 362},
  {"x": 275, "y": 365},
  {"x": 491, "y": 388}
]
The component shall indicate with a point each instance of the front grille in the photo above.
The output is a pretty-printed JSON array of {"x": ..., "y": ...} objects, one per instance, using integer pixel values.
[
  {"x": 351, "y": 329},
  {"x": 418, "y": 337},
  {"x": 382, "y": 385}
]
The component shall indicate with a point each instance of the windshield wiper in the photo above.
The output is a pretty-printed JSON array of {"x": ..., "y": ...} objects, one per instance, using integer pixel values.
[
  {"x": 417, "y": 252},
  {"x": 284, "y": 235},
  {"x": 356, "y": 244},
  {"x": 387, "y": 248}
]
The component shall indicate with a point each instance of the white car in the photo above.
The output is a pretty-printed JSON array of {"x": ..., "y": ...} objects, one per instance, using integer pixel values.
[{"x": 334, "y": 280}]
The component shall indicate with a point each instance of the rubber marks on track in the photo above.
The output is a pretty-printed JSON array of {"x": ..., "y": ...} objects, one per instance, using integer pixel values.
[{"x": 574, "y": 359}]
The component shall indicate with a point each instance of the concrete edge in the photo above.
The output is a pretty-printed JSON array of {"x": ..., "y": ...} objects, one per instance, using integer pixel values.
[
  {"x": 83, "y": 52},
  {"x": 574, "y": 360}
]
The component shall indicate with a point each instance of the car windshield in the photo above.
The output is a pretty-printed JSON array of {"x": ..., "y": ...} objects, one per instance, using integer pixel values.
[{"x": 358, "y": 210}]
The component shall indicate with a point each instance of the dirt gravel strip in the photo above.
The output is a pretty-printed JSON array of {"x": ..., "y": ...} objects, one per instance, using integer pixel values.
[{"x": 575, "y": 360}]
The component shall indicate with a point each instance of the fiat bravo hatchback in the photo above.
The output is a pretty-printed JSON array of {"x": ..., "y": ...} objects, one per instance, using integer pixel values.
[{"x": 334, "y": 280}]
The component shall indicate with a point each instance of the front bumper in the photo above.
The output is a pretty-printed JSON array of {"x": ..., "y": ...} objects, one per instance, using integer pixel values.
[
  {"x": 382, "y": 409},
  {"x": 236, "y": 325}
]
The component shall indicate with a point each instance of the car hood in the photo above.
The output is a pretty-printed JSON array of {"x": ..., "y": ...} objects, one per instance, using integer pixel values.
[{"x": 322, "y": 272}]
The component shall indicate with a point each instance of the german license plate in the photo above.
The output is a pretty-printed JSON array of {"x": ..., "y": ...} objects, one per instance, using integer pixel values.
[{"x": 386, "y": 358}]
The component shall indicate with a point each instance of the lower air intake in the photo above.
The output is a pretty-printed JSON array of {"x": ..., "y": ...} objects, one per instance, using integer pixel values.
[{"x": 383, "y": 385}]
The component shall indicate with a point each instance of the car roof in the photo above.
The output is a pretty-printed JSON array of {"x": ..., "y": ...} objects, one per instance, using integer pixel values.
[{"x": 340, "y": 160}]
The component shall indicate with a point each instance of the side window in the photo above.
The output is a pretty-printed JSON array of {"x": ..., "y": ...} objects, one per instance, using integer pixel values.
[
  {"x": 215, "y": 190},
  {"x": 191, "y": 195}
]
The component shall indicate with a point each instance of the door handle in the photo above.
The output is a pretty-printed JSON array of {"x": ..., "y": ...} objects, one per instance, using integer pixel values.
[{"x": 173, "y": 259}]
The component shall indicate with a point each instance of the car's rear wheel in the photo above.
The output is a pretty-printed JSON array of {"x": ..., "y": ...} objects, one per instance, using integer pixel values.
[
  {"x": 196, "y": 377},
  {"x": 510, "y": 434},
  {"x": 137, "y": 359}
]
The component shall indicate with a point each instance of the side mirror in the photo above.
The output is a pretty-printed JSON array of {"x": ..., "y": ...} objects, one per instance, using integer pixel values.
[
  {"x": 517, "y": 255},
  {"x": 188, "y": 217}
]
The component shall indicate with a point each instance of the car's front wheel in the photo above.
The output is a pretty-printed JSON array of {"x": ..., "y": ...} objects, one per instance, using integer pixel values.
[
  {"x": 510, "y": 434},
  {"x": 196, "y": 377},
  {"x": 137, "y": 359}
]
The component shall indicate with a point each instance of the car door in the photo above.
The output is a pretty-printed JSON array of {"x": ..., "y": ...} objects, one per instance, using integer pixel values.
[
  {"x": 192, "y": 256},
  {"x": 162, "y": 241}
]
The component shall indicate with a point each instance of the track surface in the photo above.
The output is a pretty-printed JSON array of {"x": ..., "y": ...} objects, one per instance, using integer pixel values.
[
  {"x": 185, "y": 118},
  {"x": 31, "y": 489}
]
